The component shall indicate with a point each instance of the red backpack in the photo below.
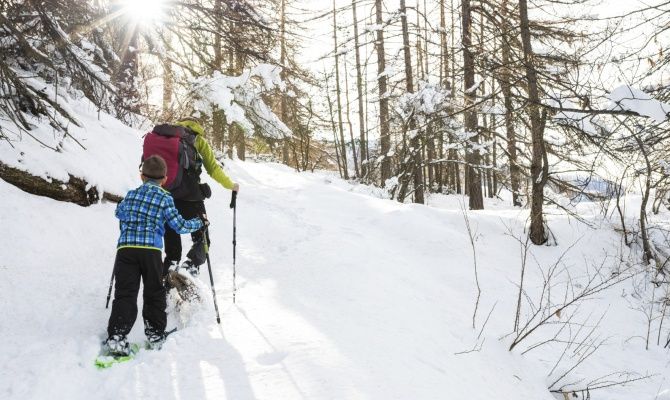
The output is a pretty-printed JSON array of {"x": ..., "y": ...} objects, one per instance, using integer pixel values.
[{"x": 176, "y": 144}]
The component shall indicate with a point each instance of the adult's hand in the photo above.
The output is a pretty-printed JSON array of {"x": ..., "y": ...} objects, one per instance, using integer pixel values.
[{"x": 236, "y": 187}]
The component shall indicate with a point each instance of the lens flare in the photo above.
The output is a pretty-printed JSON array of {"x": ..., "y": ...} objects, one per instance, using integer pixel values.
[{"x": 144, "y": 10}]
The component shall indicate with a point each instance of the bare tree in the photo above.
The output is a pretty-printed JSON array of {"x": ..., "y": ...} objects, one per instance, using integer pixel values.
[
  {"x": 384, "y": 128},
  {"x": 476, "y": 201}
]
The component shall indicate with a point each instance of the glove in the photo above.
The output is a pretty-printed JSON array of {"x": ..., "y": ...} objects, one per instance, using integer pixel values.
[{"x": 205, "y": 221}]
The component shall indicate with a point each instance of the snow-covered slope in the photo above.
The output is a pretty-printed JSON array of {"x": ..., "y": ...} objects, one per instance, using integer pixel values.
[
  {"x": 341, "y": 295},
  {"x": 102, "y": 150}
]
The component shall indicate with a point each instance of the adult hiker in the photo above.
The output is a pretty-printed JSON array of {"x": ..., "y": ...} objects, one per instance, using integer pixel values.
[
  {"x": 143, "y": 215},
  {"x": 186, "y": 151}
]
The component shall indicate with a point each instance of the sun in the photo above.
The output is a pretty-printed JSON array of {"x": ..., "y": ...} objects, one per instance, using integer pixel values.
[{"x": 145, "y": 11}]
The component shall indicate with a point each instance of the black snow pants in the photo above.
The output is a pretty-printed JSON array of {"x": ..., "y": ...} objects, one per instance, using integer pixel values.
[
  {"x": 130, "y": 265},
  {"x": 197, "y": 255}
]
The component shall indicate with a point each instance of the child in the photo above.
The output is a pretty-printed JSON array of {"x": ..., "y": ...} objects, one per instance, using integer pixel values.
[{"x": 143, "y": 214}]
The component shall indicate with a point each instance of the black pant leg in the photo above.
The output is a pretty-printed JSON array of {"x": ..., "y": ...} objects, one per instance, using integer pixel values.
[
  {"x": 153, "y": 312},
  {"x": 126, "y": 286},
  {"x": 172, "y": 242},
  {"x": 197, "y": 253},
  {"x": 172, "y": 239}
]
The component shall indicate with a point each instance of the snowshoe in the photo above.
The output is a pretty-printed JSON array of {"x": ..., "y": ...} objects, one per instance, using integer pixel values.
[{"x": 115, "y": 349}]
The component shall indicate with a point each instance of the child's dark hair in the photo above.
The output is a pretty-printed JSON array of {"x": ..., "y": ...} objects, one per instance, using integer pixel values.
[{"x": 154, "y": 168}]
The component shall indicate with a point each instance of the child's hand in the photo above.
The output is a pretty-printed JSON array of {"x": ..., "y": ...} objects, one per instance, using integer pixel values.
[{"x": 205, "y": 221}]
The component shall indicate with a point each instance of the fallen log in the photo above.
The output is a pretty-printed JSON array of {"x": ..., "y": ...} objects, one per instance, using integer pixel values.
[{"x": 74, "y": 191}]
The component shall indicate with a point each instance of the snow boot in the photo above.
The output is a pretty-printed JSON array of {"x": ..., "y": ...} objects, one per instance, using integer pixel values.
[
  {"x": 116, "y": 346},
  {"x": 155, "y": 340}
]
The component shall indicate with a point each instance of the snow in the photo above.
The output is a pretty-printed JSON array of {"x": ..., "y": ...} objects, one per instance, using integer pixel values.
[
  {"x": 474, "y": 86},
  {"x": 427, "y": 100},
  {"x": 388, "y": 72},
  {"x": 581, "y": 120},
  {"x": 108, "y": 160},
  {"x": 341, "y": 294},
  {"x": 630, "y": 99},
  {"x": 240, "y": 99},
  {"x": 373, "y": 27}
]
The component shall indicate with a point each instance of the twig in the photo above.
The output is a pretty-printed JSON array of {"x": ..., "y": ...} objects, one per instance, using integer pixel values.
[{"x": 472, "y": 235}]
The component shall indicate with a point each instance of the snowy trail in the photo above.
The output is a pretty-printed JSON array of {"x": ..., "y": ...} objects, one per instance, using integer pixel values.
[{"x": 340, "y": 296}]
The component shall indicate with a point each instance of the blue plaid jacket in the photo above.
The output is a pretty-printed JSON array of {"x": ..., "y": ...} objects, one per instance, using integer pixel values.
[{"x": 143, "y": 214}]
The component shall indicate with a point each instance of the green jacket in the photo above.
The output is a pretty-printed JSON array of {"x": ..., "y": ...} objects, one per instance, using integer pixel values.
[{"x": 205, "y": 150}]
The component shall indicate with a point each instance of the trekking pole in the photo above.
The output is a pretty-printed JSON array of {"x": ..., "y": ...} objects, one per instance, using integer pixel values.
[
  {"x": 211, "y": 278},
  {"x": 233, "y": 205},
  {"x": 109, "y": 292}
]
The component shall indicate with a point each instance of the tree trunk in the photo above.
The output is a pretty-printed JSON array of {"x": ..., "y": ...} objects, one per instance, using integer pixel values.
[
  {"x": 487, "y": 158},
  {"x": 359, "y": 90},
  {"x": 646, "y": 244},
  {"x": 433, "y": 170},
  {"x": 476, "y": 201},
  {"x": 415, "y": 141},
  {"x": 241, "y": 144},
  {"x": 219, "y": 126},
  {"x": 334, "y": 128},
  {"x": 168, "y": 89},
  {"x": 454, "y": 152},
  {"x": 494, "y": 162},
  {"x": 283, "y": 114},
  {"x": 218, "y": 130},
  {"x": 218, "y": 53},
  {"x": 240, "y": 137},
  {"x": 384, "y": 127},
  {"x": 348, "y": 110},
  {"x": 340, "y": 124},
  {"x": 506, "y": 87},
  {"x": 538, "y": 165},
  {"x": 230, "y": 128}
]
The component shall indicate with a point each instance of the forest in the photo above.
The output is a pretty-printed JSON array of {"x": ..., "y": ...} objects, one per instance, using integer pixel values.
[{"x": 468, "y": 97}]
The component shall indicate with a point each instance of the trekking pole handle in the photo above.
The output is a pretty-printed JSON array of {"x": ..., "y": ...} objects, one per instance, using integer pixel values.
[{"x": 233, "y": 200}]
